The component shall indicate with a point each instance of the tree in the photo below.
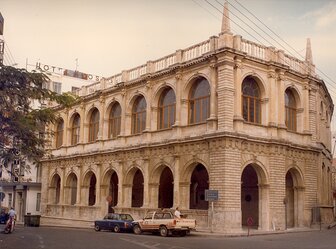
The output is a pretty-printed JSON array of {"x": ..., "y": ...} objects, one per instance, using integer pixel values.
[{"x": 22, "y": 123}]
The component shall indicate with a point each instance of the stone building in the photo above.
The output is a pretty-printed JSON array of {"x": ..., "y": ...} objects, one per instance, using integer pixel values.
[{"x": 226, "y": 114}]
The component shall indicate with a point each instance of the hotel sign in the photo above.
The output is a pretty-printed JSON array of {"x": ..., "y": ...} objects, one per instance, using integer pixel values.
[{"x": 66, "y": 72}]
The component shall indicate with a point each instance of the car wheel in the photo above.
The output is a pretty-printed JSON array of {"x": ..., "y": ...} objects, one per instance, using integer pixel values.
[
  {"x": 97, "y": 228},
  {"x": 116, "y": 229},
  {"x": 137, "y": 229},
  {"x": 183, "y": 233},
  {"x": 163, "y": 231}
]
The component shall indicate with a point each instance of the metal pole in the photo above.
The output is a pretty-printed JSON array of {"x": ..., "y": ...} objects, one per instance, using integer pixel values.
[{"x": 212, "y": 215}]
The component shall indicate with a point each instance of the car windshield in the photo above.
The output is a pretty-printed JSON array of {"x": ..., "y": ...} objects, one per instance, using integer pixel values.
[
  {"x": 149, "y": 216},
  {"x": 126, "y": 217}
]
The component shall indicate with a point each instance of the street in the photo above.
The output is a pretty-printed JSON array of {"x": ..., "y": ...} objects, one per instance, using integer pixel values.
[{"x": 69, "y": 238}]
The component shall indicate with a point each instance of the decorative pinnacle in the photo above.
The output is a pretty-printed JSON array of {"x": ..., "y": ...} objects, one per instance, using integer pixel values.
[
  {"x": 309, "y": 54},
  {"x": 226, "y": 19}
]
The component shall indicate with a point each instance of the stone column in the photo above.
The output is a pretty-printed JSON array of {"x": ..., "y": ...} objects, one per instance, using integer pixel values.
[
  {"x": 306, "y": 109},
  {"x": 62, "y": 186},
  {"x": 66, "y": 128},
  {"x": 120, "y": 173},
  {"x": 101, "y": 134},
  {"x": 273, "y": 96},
  {"x": 177, "y": 181},
  {"x": 153, "y": 190},
  {"x": 213, "y": 90},
  {"x": 149, "y": 104},
  {"x": 123, "y": 123},
  {"x": 98, "y": 183},
  {"x": 127, "y": 189},
  {"x": 281, "y": 100},
  {"x": 178, "y": 86},
  {"x": 238, "y": 116},
  {"x": 78, "y": 194},
  {"x": 263, "y": 206},
  {"x": 82, "y": 123},
  {"x": 146, "y": 182},
  {"x": 185, "y": 193},
  {"x": 299, "y": 195}
]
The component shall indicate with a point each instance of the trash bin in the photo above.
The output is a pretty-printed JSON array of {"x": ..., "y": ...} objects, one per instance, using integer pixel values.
[
  {"x": 32, "y": 220},
  {"x": 35, "y": 220},
  {"x": 27, "y": 220}
]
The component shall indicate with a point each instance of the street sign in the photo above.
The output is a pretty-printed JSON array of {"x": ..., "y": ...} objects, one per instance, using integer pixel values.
[{"x": 211, "y": 195}]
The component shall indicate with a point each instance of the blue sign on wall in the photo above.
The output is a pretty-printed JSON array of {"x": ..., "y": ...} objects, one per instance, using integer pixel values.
[{"x": 211, "y": 195}]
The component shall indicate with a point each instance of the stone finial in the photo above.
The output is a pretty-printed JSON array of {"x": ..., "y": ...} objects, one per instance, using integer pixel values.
[
  {"x": 226, "y": 19},
  {"x": 309, "y": 55}
]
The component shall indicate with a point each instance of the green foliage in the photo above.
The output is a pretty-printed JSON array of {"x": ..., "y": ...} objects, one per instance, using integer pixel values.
[{"x": 22, "y": 120}]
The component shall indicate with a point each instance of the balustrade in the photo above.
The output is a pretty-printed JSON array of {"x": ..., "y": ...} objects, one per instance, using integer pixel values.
[{"x": 181, "y": 56}]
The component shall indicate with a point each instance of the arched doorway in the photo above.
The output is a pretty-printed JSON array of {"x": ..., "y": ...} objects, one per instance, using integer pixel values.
[
  {"x": 92, "y": 190},
  {"x": 250, "y": 196},
  {"x": 137, "y": 189},
  {"x": 294, "y": 199},
  {"x": 289, "y": 200},
  {"x": 113, "y": 191},
  {"x": 166, "y": 189},
  {"x": 199, "y": 182}
]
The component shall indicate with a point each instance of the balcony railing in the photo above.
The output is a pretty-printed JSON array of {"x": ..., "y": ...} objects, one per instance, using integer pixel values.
[{"x": 251, "y": 49}]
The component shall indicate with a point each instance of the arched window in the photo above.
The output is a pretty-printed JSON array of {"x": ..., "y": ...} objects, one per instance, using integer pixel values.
[
  {"x": 167, "y": 106},
  {"x": 59, "y": 133},
  {"x": 75, "y": 130},
  {"x": 290, "y": 106},
  {"x": 199, "y": 101},
  {"x": 139, "y": 115},
  {"x": 94, "y": 126},
  {"x": 115, "y": 121},
  {"x": 251, "y": 101}
]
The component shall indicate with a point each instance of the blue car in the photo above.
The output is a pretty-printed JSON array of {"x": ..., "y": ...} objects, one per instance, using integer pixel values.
[{"x": 115, "y": 222}]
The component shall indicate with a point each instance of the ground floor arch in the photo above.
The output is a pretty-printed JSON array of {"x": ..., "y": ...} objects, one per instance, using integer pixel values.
[
  {"x": 254, "y": 197},
  {"x": 293, "y": 201},
  {"x": 71, "y": 189},
  {"x": 137, "y": 189},
  {"x": 55, "y": 189},
  {"x": 166, "y": 189},
  {"x": 199, "y": 182}
]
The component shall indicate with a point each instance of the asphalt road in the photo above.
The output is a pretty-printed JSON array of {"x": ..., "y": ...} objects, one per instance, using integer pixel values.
[{"x": 68, "y": 238}]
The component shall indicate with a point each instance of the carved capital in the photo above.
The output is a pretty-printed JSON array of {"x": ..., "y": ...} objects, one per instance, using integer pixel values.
[
  {"x": 271, "y": 75},
  {"x": 178, "y": 76}
]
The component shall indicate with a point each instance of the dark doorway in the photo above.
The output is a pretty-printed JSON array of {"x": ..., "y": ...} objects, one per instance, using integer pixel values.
[
  {"x": 289, "y": 200},
  {"x": 137, "y": 189},
  {"x": 250, "y": 196},
  {"x": 92, "y": 190},
  {"x": 113, "y": 192},
  {"x": 166, "y": 189},
  {"x": 199, "y": 182}
]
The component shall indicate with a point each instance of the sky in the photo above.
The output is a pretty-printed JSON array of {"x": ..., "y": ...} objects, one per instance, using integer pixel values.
[{"x": 108, "y": 36}]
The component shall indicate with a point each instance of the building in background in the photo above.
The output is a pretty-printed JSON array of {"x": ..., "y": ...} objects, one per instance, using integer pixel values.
[
  {"x": 247, "y": 121},
  {"x": 20, "y": 180}
]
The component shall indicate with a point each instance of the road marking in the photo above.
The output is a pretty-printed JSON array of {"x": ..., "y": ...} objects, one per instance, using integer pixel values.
[
  {"x": 41, "y": 241},
  {"x": 154, "y": 246}
]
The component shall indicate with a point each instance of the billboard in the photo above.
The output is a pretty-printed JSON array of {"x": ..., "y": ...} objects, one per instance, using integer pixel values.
[{"x": 1, "y": 24}]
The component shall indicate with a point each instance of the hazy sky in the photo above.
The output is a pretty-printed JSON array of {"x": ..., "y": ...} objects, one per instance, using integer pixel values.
[{"x": 108, "y": 36}]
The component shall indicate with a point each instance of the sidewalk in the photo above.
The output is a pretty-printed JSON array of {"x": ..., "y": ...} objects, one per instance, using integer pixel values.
[{"x": 252, "y": 232}]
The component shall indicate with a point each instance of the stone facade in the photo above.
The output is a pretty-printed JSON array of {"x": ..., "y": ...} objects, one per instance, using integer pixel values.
[{"x": 266, "y": 161}]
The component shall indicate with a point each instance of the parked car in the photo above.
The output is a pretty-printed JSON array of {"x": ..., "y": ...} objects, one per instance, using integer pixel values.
[
  {"x": 115, "y": 222},
  {"x": 3, "y": 215},
  {"x": 164, "y": 223}
]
